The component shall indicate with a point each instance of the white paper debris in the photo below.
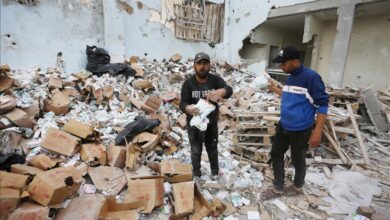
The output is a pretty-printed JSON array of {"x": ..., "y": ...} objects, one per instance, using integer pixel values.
[
  {"x": 280, "y": 205},
  {"x": 253, "y": 215},
  {"x": 200, "y": 121}
]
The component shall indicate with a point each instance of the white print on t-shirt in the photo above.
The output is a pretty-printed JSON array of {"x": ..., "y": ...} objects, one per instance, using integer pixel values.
[{"x": 201, "y": 94}]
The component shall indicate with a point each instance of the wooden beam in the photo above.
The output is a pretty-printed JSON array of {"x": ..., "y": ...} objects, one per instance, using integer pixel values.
[
  {"x": 332, "y": 161},
  {"x": 358, "y": 134},
  {"x": 379, "y": 146},
  {"x": 335, "y": 145},
  {"x": 344, "y": 130}
]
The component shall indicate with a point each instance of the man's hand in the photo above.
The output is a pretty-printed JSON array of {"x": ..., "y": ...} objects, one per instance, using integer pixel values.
[
  {"x": 273, "y": 88},
  {"x": 216, "y": 95},
  {"x": 192, "y": 110},
  {"x": 315, "y": 139}
]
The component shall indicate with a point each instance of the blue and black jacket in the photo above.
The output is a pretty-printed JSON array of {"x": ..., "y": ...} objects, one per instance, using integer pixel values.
[{"x": 303, "y": 96}]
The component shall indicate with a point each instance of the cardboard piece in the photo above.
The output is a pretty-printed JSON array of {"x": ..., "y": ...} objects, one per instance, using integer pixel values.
[
  {"x": 108, "y": 92},
  {"x": 29, "y": 211},
  {"x": 96, "y": 206},
  {"x": 132, "y": 155},
  {"x": 60, "y": 142},
  {"x": 201, "y": 206},
  {"x": 55, "y": 83},
  {"x": 54, "y": 186},
  {"x": 148, "y": 190},
  {"x": 114, "y": 210},
  {"x": 59, "y": 103},
  {"x": 174, "y": 171},
  {"x": 93, "y": 154},
  {"x": 138, "y": 104},
  {"x": 32, "y": 111},
  {"x": 111, "y": 180},
  {"x": 139, "y": 71},
  {"x": 142, "y": 84},
  {"x": 5, "y": 69},
  {"x": 98, "y": 94},
  {"x": 7, "y": 103},
  {"x": 150, "y": 139},
  {"x": 12, "y": 180},
  {"x": 9, "y": 199},
  {"x": 43, "y": 162},
  {"x": 25, "y": 170},
  {"x": 5, "y": 82},
  {"x": 176, "y": 58},
  {"x": 152, "y": 104},
  {"x": 116, "y": 156},
  {"x": 87, "y": 206},
  {"x": 20, "y": 118},
  {"x": 182, "y": 198},
  {"x": 77, "y": 128},
  {"x": 182, "y": 120}
]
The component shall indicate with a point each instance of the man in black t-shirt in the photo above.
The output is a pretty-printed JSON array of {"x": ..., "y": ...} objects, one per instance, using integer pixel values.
[{"x": 203, "y": 85}]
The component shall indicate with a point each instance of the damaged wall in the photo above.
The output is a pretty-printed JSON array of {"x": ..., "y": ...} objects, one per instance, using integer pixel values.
[
  {"x": 32, "y": 35},
  {"x": 125, "y": 28},
  {"x": 369, "y": 52}
]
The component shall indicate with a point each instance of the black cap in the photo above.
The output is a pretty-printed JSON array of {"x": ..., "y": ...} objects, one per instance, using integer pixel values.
[
  {"x": 201, "y": 56},
  {"x": 287, "y": 53}
]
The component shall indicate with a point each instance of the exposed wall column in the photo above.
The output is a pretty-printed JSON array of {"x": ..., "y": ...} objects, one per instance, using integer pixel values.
[
  {"x": 114, "y": 31},
  {"x": 313, "y": 30},
  {"x": 341, "y": 43}
]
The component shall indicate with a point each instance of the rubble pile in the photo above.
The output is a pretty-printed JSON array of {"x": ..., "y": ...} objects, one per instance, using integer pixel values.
[{"x": 82, "y": 146}]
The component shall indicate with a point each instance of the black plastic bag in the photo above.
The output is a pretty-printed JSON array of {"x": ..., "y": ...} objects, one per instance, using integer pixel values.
[
  {"x": 99, "y": 63},
  {"x": 7, "y": 160},
  {"x": 136, "y": 127}
]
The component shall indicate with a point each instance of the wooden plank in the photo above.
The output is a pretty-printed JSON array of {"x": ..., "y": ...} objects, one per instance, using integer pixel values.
[
  {"x": 218, "y": 24},
  {"x": 383, "y": 141},
  {"x": 332, "y": 161},
  {"x": 336, "y": 145},
  {"x": 215, "y": 15},
  {"x": 358, "y": 134},
  {"x": 209, "y": 19},
  {"x": 344, "y": 130},
  {"x": 379, "y": 146}
]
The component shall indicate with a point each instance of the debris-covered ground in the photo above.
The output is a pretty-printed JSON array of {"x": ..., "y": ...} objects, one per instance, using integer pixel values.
[{"x": 79, "y": 146}]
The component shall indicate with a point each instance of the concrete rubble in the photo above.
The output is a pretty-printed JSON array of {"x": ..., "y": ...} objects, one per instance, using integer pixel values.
[{"x": 65, "y": 125}]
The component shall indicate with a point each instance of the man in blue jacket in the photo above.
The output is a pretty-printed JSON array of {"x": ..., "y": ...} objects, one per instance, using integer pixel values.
[{"x": 302, "y": 97}]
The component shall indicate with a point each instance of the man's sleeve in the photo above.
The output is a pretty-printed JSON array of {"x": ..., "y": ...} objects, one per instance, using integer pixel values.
[
  {"x": 185, "y": 98},
  {"x": 318, "y": 92},
  {"x": 222, "y": 84}
]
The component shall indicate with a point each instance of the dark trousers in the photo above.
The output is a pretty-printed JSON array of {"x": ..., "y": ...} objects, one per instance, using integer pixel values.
[
  {"x": 298, "y": 140},
  {"x": 210, "y": 140}
]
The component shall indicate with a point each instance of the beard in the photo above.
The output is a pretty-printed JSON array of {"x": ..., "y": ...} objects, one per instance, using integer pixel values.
[{"x": 202, "y": 74}]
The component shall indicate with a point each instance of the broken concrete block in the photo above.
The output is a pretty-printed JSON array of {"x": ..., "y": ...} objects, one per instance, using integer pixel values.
[
  {"x": 182, "y": 198},
  {"x": 116, "y": 156},
  {"x": 176, "y": 58},
  {"x": 148, "y": 141},
  {"x": 93, "y": 154},
  {"x": 7, "y": 103},
  {"x": 148, "y": 190},
  {"x": 25, "y": 170},
  {"x": 111, "y": 180},
  {"x": 12, "y": 180},
  {"x": 141, "y": 84},
  {"x": 55, "y": 83},
  {"x": 58, "y": 103},
  {"x": 54, "y": 186},
  {"x": 60, "y": 142},
  {"x": 30, "y": 211},
  {"x": 77, "y": 128},
  {"x": 43, "y": 162},
  {"x": 19, "y": 118},
  {"x": 9, "y": 199}
]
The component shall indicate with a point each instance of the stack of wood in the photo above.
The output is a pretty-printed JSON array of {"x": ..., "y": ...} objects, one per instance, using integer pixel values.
[{"x": 254, "y": 135}]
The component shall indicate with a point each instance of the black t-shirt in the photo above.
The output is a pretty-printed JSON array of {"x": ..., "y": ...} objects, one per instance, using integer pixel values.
[{"x": 192, "y": 91}]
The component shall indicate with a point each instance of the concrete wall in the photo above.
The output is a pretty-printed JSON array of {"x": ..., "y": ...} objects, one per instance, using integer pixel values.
[
  {"x": 33, "y": 35},
  {"x": 369, "y": 54},
  {"x": 43, "y": 30}
]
